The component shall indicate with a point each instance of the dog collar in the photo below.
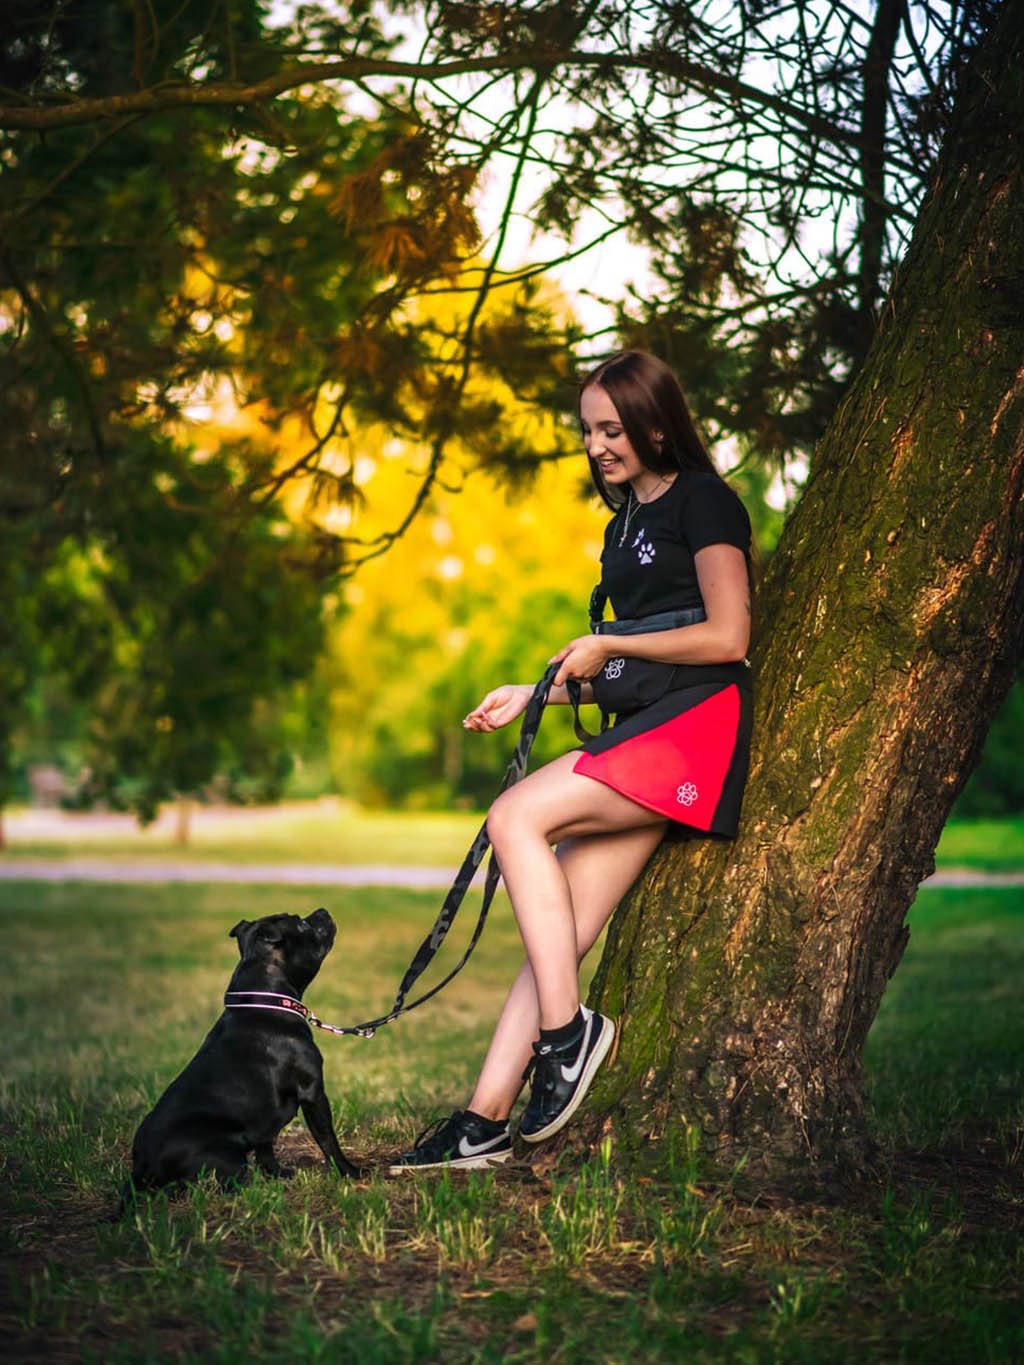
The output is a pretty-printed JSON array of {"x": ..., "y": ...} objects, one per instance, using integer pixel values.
[{"x": 287, "y": 1004}]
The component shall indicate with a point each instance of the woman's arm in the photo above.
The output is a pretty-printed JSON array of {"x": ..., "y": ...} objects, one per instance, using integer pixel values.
[
  {"x": 722, "y": 638},
  {"x": 559, "y": 695},
  {"x": 504, "y": 704}
]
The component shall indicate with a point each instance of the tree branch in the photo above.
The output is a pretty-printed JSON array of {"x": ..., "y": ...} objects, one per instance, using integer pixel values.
[
  {"x": 167, "y": 96},
  {"x": 875, "y": 96},
  {"x": 380, "y": 544}
]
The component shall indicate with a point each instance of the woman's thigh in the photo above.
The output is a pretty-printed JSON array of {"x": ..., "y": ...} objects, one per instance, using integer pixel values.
[
  {"x": 600, "y": 869},
  {"x": 560, "y": 804}
]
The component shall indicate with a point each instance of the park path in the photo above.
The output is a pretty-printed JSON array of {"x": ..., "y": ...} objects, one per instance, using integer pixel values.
[
  {"x": 178, "y": 870},
  {"x": 322, "y": 874}
]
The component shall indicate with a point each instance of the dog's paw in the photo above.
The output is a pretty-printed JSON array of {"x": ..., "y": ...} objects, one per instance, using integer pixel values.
[{"x": 350, "y": 1171}]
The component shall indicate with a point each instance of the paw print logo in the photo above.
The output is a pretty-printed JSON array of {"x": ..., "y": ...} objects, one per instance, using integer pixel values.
[
  {"x": 686, "y": 794},
  {"x": 645, "y": 551},
  {"x": 613, "y": 668}
]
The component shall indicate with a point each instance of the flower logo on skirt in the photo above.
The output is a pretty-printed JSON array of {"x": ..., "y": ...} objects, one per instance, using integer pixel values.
[
  {"x": 613, "y": 668},
  {"x": 686, "y": 794}
]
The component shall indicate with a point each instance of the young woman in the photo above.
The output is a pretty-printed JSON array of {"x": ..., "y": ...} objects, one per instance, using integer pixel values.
[{"x": 675, "y": 567}]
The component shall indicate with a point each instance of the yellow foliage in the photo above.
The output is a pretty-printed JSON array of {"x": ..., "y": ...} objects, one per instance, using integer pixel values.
[{"x": 482, "y": 589}]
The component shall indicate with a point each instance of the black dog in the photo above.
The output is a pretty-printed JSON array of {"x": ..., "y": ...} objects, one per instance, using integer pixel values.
[{"x": 255, "y": 1070}]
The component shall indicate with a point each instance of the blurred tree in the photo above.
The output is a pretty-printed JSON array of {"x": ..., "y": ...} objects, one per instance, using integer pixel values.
[
  {"x": 192, "y": 204},
  {"x": 152, "y": 272},
  {"x": 180, "y": 625},
  {"x": 996, "y": 786},
  {"x": 481, "y": 590},
  {"x": 769, "y": 159}
]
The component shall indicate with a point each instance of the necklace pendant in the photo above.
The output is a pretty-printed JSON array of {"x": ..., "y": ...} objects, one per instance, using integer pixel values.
[{"x": 631, "y": 507}]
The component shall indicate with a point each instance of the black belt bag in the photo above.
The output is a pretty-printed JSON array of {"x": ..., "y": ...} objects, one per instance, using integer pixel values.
[{"x": 627, "y": 684}]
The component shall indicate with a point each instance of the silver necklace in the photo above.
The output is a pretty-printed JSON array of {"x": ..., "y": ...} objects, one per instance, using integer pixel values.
[{"x": 632, "y": 503}]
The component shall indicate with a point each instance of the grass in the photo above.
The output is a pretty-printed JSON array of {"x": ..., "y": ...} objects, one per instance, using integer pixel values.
[
  {"x": 326, "y": 831},
  {"x": 988, "y": 845},
  {"x": 109, "y": 989},
  {"x": 334, "y": 831}
]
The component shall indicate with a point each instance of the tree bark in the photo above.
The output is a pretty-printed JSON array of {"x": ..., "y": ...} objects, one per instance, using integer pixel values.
[{"x": 747, "y": 975}]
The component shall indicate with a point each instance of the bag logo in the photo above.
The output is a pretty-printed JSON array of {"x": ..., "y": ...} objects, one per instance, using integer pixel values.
[
  {"x": 613, "y": 668},
  {"x": 686, "y": 794}
]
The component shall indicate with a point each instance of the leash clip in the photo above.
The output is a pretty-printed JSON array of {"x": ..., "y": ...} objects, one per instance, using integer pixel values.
[{"x": 364, "y": 1032}]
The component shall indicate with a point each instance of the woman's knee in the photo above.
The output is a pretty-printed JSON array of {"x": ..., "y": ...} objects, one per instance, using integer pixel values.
[
  {"x": 507, "y": 817},
  {"x": 499, "y": 818}
]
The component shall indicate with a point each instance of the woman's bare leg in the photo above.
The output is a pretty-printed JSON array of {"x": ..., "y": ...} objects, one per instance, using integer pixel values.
[
  {"x": 598, "y": 870},
  {"x": 550, "y": 805}
]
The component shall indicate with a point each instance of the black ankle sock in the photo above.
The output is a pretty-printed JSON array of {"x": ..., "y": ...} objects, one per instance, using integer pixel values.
[
  {"x": 488, "y": 1125},
  {"x": 562, "y": 1037}
]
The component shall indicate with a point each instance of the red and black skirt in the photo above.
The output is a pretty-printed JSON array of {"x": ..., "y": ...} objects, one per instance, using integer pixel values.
[{"x": 685, "y": 755}]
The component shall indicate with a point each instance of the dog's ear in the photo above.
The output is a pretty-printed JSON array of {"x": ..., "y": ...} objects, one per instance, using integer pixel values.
[{"x": 241, "y": 931}]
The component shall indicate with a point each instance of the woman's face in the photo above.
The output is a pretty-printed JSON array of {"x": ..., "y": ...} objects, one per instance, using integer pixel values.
[{"x": 604, "y": 439}]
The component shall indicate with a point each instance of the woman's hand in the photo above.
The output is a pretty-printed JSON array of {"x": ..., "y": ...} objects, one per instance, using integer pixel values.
[
  {"x": 499, "y": 708},
  {"x": 581, "y": 659}
]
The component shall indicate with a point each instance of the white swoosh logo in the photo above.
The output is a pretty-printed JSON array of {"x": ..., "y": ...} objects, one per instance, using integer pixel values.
[
  {"x": 467, "y": 1148},
  {"x": 572, "y": 1073}
]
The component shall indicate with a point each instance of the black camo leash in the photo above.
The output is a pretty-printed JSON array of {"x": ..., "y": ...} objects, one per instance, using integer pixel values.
[{"x": 428, "y": 949}]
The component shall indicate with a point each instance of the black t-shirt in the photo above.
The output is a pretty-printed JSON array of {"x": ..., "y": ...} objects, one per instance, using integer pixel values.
[{"x": 653, "y": 569}]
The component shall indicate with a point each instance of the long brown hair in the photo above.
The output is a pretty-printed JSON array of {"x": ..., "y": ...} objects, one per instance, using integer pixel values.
[{"x": 648, "y": 398}]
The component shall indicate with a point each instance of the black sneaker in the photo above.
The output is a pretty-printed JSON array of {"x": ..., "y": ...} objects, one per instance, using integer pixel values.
[
  {"x": 562, "y": 1076},
  {"x": 463, "y": 1141}
]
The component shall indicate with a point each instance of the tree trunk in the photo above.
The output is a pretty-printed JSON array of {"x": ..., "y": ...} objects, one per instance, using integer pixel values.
[
  {"x": 183, "y": 821},
  {"x": 747, "y": 975}
]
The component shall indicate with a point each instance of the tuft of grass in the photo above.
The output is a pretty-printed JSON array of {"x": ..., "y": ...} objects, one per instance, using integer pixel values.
[
  {"x": 458, "y": 1215},
  {"x": 581, "y": 1219}
]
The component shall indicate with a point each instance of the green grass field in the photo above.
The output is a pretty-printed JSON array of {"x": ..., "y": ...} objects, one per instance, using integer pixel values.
[
  {"x": 333, "y": 831},
  {"x": 109, "y": 989},
  {"x": 328, "y": 831}
]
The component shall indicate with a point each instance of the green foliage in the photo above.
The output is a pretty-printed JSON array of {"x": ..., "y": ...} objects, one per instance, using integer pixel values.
[
  {"x": 996, "y": 786},
  {"x": 274, "y": 251},
  {"x": 193, "y": 305},
  {"x": 149, "y": 577}
]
